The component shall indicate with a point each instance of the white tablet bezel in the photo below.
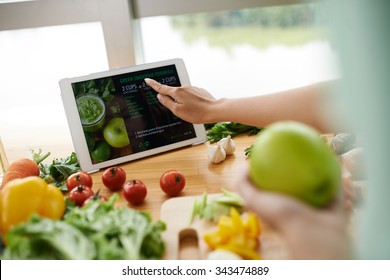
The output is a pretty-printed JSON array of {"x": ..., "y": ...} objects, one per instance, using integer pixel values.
[{"x": 76, "y": 129}]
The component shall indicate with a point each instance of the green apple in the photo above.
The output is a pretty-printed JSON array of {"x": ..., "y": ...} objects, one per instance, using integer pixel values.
[
  {"x": 115, "y": 133},
  {"x": 292, "y": 158},
  {"x": 101, "y": 152}
]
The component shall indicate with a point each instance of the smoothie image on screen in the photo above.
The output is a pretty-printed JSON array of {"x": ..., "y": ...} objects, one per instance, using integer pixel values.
[{"x": 92, "y": 112}]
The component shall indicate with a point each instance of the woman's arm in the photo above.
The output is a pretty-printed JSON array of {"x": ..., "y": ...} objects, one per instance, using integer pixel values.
[{"x": 197, "y": 105}]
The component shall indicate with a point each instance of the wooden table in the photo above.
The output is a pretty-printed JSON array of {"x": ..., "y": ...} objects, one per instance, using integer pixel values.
[{"x": 201, "y": 176}]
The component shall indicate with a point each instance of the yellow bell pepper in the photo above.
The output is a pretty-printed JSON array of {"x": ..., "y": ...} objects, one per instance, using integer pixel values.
[
  {"x": 236, "y": 234},
  {"x": 20, "y": 198}
]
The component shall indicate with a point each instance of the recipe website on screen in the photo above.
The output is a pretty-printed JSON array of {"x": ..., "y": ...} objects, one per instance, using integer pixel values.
[{"x": 123, "y": 115}]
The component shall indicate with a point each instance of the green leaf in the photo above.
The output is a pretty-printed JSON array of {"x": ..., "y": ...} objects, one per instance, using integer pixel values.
[
  {"x": 96, "y": 231},
  {"x": 217, "y": 131},
  {"x": 38, "y": 157},
  {"x": 43, "y": 238},
  {"x": 59, "y": 170}
]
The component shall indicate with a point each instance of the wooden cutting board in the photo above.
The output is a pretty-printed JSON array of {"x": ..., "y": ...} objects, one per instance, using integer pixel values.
[{"x": 185, "y": 241}]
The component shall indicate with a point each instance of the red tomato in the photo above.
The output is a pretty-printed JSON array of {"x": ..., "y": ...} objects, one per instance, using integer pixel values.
[
  {"x": 79, "y": 178},
  {"x": 114, "y": 178},
  {"x": 134, "y": 191},
  {"x": 80, "y": 194},
  {"x": 172, "y": 182},
  {"x": 96, "y": 196}
]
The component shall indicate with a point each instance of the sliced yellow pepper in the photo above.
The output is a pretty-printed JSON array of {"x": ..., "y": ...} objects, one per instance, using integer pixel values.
[
  {"x": 252, "y": 225},
  {"x": 20, "y": 198},
  {"x": 237, "y": 234}
]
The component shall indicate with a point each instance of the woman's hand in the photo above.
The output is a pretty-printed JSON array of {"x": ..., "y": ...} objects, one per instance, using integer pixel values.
[
  {"x": 189, "y": 103},
  {"x": 310, "y": 233}
]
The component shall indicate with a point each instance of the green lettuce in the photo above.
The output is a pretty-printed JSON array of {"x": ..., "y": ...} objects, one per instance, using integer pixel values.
[{"x": 96, "y": 231}]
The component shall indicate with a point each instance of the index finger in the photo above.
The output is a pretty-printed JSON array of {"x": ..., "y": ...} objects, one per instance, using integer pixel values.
[{"x": 160, "y": 88}]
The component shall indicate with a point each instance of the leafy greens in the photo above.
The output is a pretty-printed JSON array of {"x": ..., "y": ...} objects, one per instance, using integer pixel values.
[
  {"x": 58, "y": 170},
  {"x": 96, "y": 231},
  {"x": 217, "y": 131}
]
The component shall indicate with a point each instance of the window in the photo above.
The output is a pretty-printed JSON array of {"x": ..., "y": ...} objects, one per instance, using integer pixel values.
[
  {"x": 33, "y": 61},
  {"x": 245, "y": 52}
]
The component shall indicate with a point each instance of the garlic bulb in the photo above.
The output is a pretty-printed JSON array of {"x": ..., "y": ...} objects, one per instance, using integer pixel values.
[
  {"x": 343, "y": 142},
  {"x": 228, "y": 145},
  {"x": 216, "y": 154}
]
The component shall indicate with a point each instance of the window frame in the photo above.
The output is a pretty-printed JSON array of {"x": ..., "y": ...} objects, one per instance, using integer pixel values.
[{"x": 119, "y": 18}]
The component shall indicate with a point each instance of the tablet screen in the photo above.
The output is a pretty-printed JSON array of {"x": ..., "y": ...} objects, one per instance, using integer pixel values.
[{"x": 121, "y": 115}]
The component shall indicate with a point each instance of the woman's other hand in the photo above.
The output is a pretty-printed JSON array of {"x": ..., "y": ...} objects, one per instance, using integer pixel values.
[{"x": 310, "y": 233}]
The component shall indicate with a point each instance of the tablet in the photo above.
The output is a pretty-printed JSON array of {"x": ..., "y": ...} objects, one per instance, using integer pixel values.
[{"x": 114, "y": 117}]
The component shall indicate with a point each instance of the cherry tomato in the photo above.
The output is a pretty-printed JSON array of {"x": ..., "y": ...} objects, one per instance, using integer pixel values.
[
  {"x": 172, "y": 182},
  {"x": 79, "y": 178},
  {"x": 96, "y": 196},
  {"x": 134, "y": 191},
  {"x": 114, "y": 178},
  {"x": 79, "y": 194}
]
